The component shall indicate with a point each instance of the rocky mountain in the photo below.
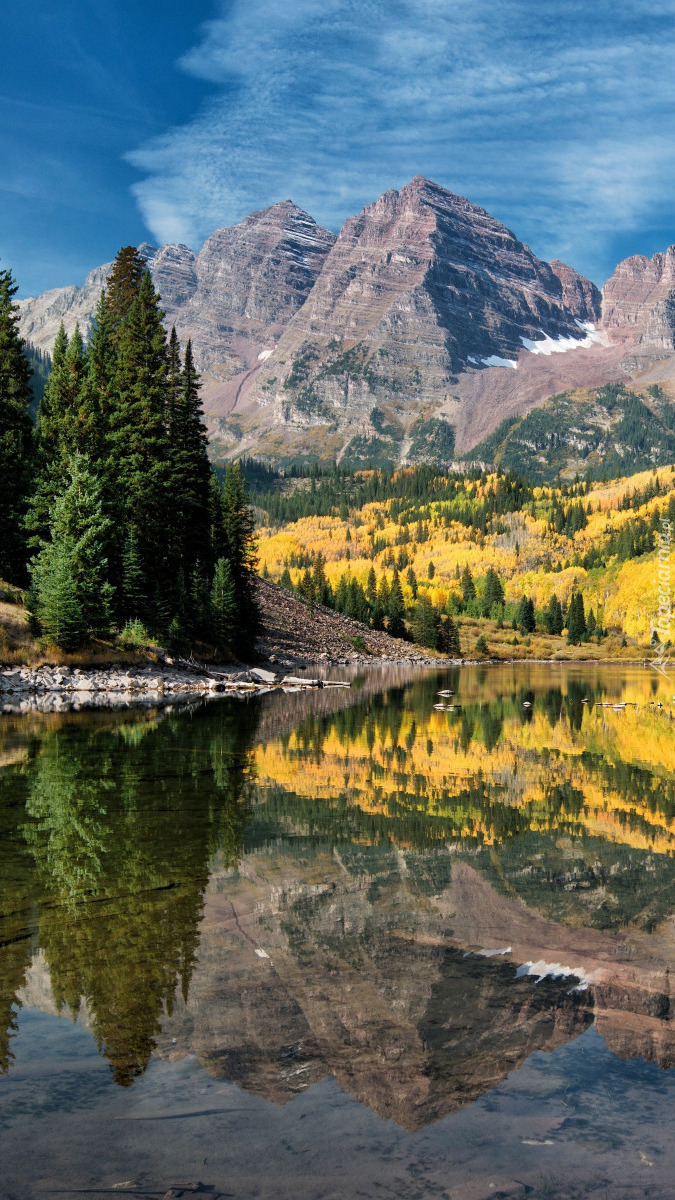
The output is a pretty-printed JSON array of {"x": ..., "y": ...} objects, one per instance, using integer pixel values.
[
  {"x": 579, "y": 294},
  {"x": 411, "y": 336},
  {"x": 402, "y": 1017},
  {"x": 233, "y": 298},
  {"x": 639, "y": 290},
  {"x": 409, "y": 979},
  {"x": 421, "y": 287}
]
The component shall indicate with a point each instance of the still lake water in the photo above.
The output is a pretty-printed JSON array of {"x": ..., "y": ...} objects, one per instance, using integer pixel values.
[{"x": 345, "y": 944}]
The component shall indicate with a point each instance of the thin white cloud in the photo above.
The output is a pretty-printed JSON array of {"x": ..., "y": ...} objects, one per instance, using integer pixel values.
[{"x": 557, "y": 117}]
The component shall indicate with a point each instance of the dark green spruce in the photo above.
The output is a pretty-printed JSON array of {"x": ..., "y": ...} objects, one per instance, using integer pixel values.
[
  {"x": 15, "y": 435},
  {"x": 127, "y": 523}
]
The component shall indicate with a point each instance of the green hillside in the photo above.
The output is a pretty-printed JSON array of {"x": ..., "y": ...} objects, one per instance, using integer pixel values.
[{"x": 601, "y": 433}]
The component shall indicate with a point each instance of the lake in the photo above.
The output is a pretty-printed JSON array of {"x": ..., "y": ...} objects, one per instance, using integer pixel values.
[{"x": 367, "y": 943}]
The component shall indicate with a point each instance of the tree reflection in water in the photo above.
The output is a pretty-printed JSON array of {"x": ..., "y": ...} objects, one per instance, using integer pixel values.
[{"x": 110, "y": 832}]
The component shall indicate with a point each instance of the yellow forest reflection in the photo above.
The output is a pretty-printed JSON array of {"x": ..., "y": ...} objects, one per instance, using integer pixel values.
[{"x": 557, "y": 759}]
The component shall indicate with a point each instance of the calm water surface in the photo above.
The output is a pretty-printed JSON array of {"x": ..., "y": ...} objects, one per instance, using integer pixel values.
[{"x": 344, "y": 945}]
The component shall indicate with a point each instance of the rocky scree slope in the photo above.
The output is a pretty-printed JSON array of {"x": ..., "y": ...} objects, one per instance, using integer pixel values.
[{"x": 290, "y": 634}]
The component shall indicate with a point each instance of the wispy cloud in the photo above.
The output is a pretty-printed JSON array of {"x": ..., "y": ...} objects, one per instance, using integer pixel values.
[{"x": 557, "y": 117}]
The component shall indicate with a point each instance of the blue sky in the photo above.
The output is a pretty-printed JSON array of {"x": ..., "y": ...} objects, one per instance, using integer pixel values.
[{"x": 126, "y": 121}]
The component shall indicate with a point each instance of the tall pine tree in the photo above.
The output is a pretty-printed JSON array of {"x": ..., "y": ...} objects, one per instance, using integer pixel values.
[
  {"x": 70, "y": 574},
  {"x": 123, "y": 287},
  {"x": 61, "y": 430},
  {"x": 191, "y": 472},
  {"x": 224, "y": 606},
  {"x": 15, "y": 435},
  {"x": 396, "y": 609},
  {"x": 239, "y": 548},
  {"x": 138, "y": 448}
]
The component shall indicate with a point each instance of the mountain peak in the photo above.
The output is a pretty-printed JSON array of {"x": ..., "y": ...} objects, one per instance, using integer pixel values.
[
  {"x": 639, "y": 297},
  {"x": 420, "y": 287},
  {"x": 283, "y": 213}
]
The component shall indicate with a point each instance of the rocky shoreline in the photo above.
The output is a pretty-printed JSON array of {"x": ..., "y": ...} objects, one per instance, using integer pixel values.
[{"x": 56, "y": 688}]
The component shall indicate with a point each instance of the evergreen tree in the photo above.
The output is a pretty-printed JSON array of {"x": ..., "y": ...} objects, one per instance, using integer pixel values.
[
  {"x": 47, "y": 423},
  {"x": 199, "y": 618},
  {"x": 371, "y": 588},
  {"x": 15, "y": 435},
  {"x": 425, "y": 622},
  {"x": 494, "y": 591},
  {"x": 216, "y": 518},
  {"x": 525, "y": 618},
  {"x": 139, "y": 452},
  {"x": 240, "y": 551},
  {"x": 341, "y": 594},
  {"x": 396, "y": 609},
  {"x": 357, "y": 604},
  {"x": 576, "y": 620},
  {"x": 377, "y": 610},
  {"x": 78, "y": 536},
  {"x": 189, "y": 461},
  {"x": 224, "y": 606},
  {"x": 100, "y": 390},
  {"x": 123, "y": 287},
  {"x": 174, "y": 379},
  {"x": 380, "y": 606},
  {"x": 133, "y": 600},
  {"x": 383, "y": 595},
  {"x": 73, "y": 426},
  {"x": 58, "y": 609},
  {"x": 467, "y": 585},
  {"x": 452, "y": 644},
  {"x": 61, "y": 430},
  {"x": 187, "y": 615},
  {"x": 554, "y": 616},
  {"x": 322, "y": 588},
  {"x": 307, "y": 590}
]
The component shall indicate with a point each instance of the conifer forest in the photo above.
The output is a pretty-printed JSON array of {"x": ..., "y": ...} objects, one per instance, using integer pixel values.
[{"x": 111, "y": 517}]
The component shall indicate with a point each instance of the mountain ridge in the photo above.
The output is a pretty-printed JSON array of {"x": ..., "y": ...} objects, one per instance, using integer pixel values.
[{"x": 397, "y": 334}]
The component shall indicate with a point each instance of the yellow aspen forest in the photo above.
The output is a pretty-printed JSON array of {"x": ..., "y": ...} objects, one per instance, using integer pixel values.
[{"x": 600, "y": 541}]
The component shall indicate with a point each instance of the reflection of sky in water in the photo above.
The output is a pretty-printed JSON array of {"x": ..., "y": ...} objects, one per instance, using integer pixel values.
[{"x": 335, "y": 989}]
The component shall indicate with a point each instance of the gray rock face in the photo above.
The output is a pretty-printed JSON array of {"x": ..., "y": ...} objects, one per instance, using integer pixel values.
[
  {"x": 420, "y": 287},
  {"x": 174, "y": 275},
  {"x": 425, "y": 257},
  {"x": 264, "y": 268},
  {"x": 40, "y": 316},
  {"x": 232, "y": 298},
  {"x": 579, "y": 294},
  {"x": 636, "y": 296},
  {"x": 249, "y": 280}
]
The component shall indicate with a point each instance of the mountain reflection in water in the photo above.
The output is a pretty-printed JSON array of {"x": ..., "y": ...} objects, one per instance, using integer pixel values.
[{"x": 407, "y": 899}]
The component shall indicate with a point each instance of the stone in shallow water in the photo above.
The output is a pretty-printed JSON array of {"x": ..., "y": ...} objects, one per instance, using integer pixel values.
[{"x": 262, "y": 676}]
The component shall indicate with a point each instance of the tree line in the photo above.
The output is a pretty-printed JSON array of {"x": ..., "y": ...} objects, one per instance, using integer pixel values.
[
  {"x": 109, "y": 509},
  {"x": 380, "y": 604}
]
